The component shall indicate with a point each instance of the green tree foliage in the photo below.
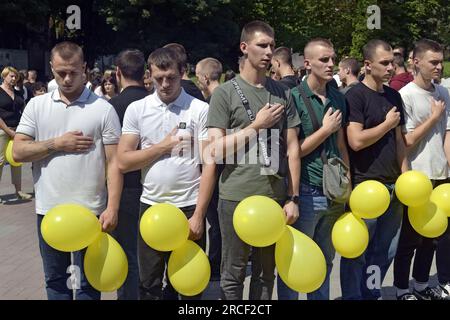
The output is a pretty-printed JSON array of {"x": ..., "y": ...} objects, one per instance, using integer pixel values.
[{"x": 212, "y": 27}]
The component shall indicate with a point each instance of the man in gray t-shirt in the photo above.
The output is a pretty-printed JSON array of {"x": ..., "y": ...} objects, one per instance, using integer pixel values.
[
  {"x": 272, "y": 109},
  {"x": 71, "y": 137}
]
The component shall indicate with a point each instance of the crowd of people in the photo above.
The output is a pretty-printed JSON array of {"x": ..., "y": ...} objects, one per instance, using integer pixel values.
[{"x": 134, "y": 138}]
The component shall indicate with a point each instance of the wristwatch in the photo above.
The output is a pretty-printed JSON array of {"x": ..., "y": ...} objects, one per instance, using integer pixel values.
[{"x": 294, "y": 199}]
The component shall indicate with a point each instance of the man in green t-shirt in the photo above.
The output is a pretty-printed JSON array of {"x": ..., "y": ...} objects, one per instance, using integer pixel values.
[
  {"x": 318, "y": 214},
  {"x": 271, "y": 107}
]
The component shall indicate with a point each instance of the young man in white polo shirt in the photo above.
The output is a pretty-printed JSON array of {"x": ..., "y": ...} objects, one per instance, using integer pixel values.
[
  {"x": 71, "y": 137},
  {"x": 165, "y": 124}
]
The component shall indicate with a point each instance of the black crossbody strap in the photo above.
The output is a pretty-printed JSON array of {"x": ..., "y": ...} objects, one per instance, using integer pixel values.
[
  {"x": 251, "y": 116},
  {"x": 243, "y": 99},
  {"x": 313, "y": 117}
]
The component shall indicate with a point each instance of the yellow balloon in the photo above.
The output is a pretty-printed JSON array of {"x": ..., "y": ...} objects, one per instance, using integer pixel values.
[
  {"x": 441, "y": 197},
  {"x": 70, "y": 227},
  {"x": 428, "y": 220},
  {"x": 413, "y": 188},
  {"x": 350, "y": 236},
  {"x": 259, "y": 221},
  {"x": 9, "y": 155},
  {"x": 300, "y": 262},
  {"x": 370, "y": 199},
  {"x": 105, "y": 264},
  {"x": 189, "y": 269},
  {"x": 164, "y": 227}
]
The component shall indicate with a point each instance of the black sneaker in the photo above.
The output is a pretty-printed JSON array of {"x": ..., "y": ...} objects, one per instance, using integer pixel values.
[
  {"x": 407, "y": 296},
  {"x": 429, "y": 294}
]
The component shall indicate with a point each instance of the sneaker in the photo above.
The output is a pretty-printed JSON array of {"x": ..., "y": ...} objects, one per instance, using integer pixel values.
[
  {"x": 23, "y": 196},
  {"x": 407, "y": 296},
  {"x": 429, "y": 294}
]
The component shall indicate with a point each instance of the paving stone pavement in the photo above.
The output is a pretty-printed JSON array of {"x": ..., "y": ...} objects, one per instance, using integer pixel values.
[{"x": 21, "y": 273}]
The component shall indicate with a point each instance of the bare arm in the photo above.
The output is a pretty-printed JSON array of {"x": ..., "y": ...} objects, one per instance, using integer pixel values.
[
  {"x": 25, "y": 149},
  {"x": 294, "y": 161},
  {"x": 360, "y": 138},
  {"x": 330, "y": 124},
  {"x": 130, "y": 159},
  {"x": 401, "y": 150},
  {"x": 293, "y": 152},
  {"x": 5, "y": 128},
  {"x": 266, "y": 118},
  {"x": 342, "y": 146},
  {"x": 413, "y": 137},
  {"x": 207, "y": 185},
  {"x": 114, "y": 179},
  {"x": 447, "y": 146}
]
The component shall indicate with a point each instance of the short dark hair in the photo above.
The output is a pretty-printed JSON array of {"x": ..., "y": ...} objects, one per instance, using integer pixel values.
[
  {"x": 131, "y": 63},
  {"x": 399, "y": 60},
  {"x": 67, "y": 50},
  {"x": 180, "y": 53},
  {"x": 352, "y": 64},
  {"x": 370, "y": 47},
  {"x": 250, "y": 28},
  {"x": 424, "y": 45},
  {"x": 38, "y": 86},
  {"x": 164, "y": 59},
  {"x": 284, "y": 54}
]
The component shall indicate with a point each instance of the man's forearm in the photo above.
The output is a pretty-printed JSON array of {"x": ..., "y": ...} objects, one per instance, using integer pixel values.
[
  {"x": 138, "y": 159},
  {"x": 342, "y": 146},
  {"x": 313, "y": 141},
  {"x": 414, "y": 137},
  {"x": 234, "y": 142},
  {"x": 294, "y": 162},
  {"x": 29, "y": 150},
  {"x": 401, "y": 150},
  {"x": 447, "y": 146},
  {"x": 207, "y": 185},
  {"x": 115, "y": 184},
  {"x": 366, "y": 137}
]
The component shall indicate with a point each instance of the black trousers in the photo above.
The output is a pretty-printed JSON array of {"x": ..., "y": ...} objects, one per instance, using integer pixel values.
[
  {"x": 410, "y": 241},
  {"x": 152, "y": 266}
]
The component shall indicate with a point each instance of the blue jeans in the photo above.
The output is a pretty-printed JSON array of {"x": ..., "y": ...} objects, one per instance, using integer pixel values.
[
  {"x": 362, "y": 277},
  {"x": 126, "y": 235},
  {"x": 57, "y": 272},
  {"x": 317, "y": 218}
]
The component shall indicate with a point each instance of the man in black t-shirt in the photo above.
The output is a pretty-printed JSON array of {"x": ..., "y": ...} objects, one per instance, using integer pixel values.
[
  {"x": 282, "y": 66},
  {"x": 377, "y": 152},
  {"x": 130, "y": 73}
]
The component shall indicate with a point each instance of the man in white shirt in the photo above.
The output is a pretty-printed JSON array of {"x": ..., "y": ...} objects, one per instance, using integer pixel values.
[
  {"x": 71, "y": 137},
  {"x": 165, "y": 124},
  {"x": 427, "y": 136}
]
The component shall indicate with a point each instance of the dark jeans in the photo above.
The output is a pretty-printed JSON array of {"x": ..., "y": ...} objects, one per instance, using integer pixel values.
[
  {"x": 235, "y": 255},
  {"x": 152, "y": 264},
  {"x": 126, "y": 233},
  {"x": 424, "y": 248},
  {"x": 214, "y": 237},
  {"x": 57, "y": 270},
  {"x": 362, "y": 277}
]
